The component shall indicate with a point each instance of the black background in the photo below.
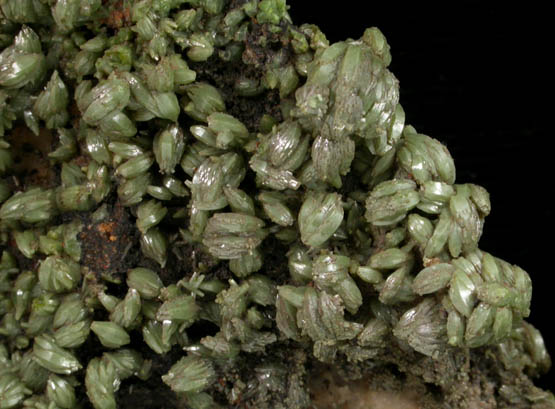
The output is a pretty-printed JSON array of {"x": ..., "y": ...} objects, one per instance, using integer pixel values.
[{"x": 476, "y": 76}]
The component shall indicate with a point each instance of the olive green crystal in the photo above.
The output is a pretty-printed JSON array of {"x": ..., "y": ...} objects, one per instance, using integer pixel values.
[{"x": 233, "y": 202}]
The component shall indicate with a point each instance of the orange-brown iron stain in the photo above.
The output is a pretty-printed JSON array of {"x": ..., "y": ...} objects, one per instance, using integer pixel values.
[{"x": 120, "y": 15}]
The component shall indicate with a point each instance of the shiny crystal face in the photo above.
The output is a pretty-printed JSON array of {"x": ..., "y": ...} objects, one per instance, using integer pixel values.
[{"x": 227, "y": 193}]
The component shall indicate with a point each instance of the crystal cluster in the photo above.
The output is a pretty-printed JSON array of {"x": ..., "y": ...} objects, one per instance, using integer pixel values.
[{"x": 283, "y": 212}]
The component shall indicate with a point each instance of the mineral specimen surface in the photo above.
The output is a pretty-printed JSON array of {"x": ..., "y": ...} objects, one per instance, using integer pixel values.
[{"x": 204, "y": 205}]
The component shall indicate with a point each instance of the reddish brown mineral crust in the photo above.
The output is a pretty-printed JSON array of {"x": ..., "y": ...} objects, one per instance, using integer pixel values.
[
  {"x": 105, "y": 244},
  {"x": 119, "y": 16}
]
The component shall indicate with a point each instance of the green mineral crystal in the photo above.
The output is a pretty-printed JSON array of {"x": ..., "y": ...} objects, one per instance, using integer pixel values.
[{"x": 239, "y": 202}]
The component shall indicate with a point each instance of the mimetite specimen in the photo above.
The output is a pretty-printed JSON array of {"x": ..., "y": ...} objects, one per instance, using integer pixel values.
[{"x": 222, "y": 207}]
